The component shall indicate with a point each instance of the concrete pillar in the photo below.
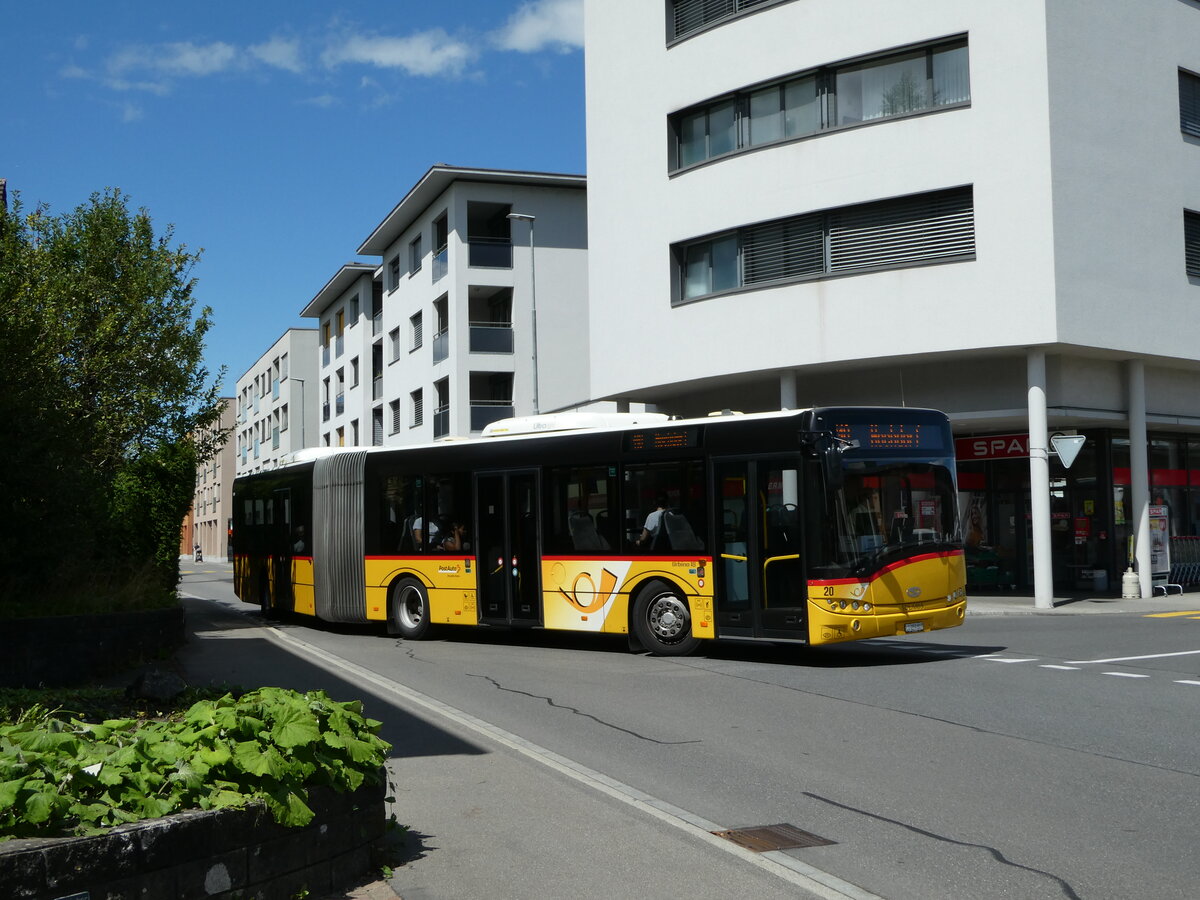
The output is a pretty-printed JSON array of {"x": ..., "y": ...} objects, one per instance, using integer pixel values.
[
  {"x": 1139, "y": 475},
  {"x": 787, "y": 390},
  {"x": 1039, "y": 481}
]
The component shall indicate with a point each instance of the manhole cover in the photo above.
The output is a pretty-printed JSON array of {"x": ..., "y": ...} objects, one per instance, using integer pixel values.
[{"x": 762, "y": 838}]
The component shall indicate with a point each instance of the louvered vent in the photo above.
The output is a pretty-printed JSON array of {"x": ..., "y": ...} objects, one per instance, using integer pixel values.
[{"x": 909, "y": 230}]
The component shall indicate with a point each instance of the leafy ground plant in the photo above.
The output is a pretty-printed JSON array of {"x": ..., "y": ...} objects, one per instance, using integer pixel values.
[{"x": 62, "y": 776}]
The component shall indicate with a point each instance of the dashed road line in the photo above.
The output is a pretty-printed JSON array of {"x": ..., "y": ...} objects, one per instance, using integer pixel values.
[
  {"x": 1124, "y": 675},
  {"x": 1188, "y": 681},
  {"x": 1060, "y": 668},
  {"x": 1117, "y": 659}
]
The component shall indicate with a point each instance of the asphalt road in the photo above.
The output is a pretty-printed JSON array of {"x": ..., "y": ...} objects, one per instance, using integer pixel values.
[{"x": 1015, "y": 757}]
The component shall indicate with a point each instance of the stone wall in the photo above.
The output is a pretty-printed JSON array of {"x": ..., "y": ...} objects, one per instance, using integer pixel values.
[
  {"x": 62, "y": 650},
  {"x": 233, "y": 854}
]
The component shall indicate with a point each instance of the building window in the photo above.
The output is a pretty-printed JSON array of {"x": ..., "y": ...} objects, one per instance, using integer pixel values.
[
  {"x": 354, "y": 372},
  {"x": 1189, "y": 103},
  {"x": 354, "y": 433},
  {"x": 687, "y": 16},
  {"x": 414, "y": 255},
  {"x": 283, "y": 417},
  {"x": 393, "y": 273},
  {"x": 417, "y": 330},
  {"x": 418, "y": 407},
  {"x": 824, "y": 99},
  {"x": 1191, "y": 241},
  {"x": 394, "y": 409},
  {"x": 906, "y": 231},
  {"x": 394, "y": 343},
  {"x": 354, "y": 309}
]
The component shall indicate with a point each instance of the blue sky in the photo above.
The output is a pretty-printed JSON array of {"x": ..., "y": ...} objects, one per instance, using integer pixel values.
[{"x": 277, "y": 135}]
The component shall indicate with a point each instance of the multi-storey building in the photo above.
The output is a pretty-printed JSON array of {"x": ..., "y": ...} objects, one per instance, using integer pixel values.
[
  {"x": 208, "y": 522},
  {"x": 277, "y": 402},
  {"x": 443, "y": 337},
  {"x": 986, "y": 208}
]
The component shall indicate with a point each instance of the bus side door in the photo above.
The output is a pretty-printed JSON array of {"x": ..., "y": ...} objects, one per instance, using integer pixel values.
[
  {"x": 761, "y": 591},
  {"x": 508, "y": 549}
]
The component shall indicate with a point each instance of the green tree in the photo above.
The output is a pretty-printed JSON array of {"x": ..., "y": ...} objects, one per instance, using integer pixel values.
[{"x": 106, "y": 402}]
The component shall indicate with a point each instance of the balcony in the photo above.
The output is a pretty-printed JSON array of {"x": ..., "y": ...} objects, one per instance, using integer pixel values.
[
  {"x": 489, "y": 252},
  {"x": 441, "y": 263},
  {"x": 325, "y": 411},
  {"x": 377, "y": 324},
  {"x": 485, "y": 412},
  {"x": 441, "y": 345},
  {"x": 491, "y": 337},
  {"x": 275, "y": 389},
  {"x": 441, "y": 422},
  {"x": 325, "y": 355},
  {"x": 274, "y": 438},
  {"x": 339, "y": 346},
  {"x": 339, "y": 404},
  {"x": 377, "y": 387}
]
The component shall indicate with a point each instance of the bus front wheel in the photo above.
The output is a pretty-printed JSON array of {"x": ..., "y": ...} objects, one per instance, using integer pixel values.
[
  {"x": 662, "y": 621},
  {"x": 408, "y": 613}
]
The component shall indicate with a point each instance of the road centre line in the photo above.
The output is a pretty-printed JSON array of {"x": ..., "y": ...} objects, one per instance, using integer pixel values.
[
  {"x": 819, "y": 883},
  {"x": 1116, "y": 659},
  {"x": 1192, "y": 613}
]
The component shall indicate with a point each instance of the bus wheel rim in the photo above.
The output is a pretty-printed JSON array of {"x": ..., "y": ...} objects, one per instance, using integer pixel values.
[
  {"x": 411, "y": 607},
  {"x": 668, "y": 618}
]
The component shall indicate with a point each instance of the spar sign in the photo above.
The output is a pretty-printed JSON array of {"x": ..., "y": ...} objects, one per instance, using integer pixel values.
[{"x": 993, "y": 446}]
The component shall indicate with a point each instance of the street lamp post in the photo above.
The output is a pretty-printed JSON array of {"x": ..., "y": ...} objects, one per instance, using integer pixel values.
[
  {"x": 303, "y": 416},
  {"x": 525, "y": 217}
]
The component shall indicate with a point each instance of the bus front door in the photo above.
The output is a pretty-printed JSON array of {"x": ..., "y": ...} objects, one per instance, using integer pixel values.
[
  {"x": 761, "y": 587},
  {"x": 281, "y": 550},
  {"x": 507, "y": 548}
]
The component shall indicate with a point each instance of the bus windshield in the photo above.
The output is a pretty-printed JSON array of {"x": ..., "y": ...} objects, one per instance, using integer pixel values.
[{"x": 887, "y": 509}]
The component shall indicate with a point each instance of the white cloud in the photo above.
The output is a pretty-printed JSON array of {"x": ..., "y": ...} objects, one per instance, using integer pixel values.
[
  {"x": 131, "y": 112},
  {"x": 183, "y": 58},
  {"x": 282, "y": 53},
  {"x": 425, "y": 53},
  {"x": 538, "y": 24}
]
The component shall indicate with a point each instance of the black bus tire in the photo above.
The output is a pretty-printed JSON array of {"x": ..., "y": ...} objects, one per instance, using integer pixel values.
[
  {"x": 662, "y": 620},
  {"x": 408, "y": 610}
]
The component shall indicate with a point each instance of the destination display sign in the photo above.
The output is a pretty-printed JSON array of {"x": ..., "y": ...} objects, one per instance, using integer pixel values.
[
  {"x": 882, "y": 434},
  {"x": 663, "y": 439}
]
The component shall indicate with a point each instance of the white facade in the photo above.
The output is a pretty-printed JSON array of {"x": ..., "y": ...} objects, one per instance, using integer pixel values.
[
  {"x": 1064, "y": 280},
  {"x": 277, "y": 402},
  {"x": 1078, "y": 218},
  {"x": 448, "y": 341},
  {"x": 209, "y": 520}
]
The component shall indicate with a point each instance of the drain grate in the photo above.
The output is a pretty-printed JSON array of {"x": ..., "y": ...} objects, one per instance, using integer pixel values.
[{"x": 762, "y": 838}]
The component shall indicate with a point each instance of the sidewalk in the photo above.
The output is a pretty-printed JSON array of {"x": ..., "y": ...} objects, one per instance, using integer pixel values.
[{"x": 1009, "y": 603}]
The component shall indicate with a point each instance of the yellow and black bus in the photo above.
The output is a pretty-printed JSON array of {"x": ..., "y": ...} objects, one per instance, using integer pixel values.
[{"x": 813, "y": 526}]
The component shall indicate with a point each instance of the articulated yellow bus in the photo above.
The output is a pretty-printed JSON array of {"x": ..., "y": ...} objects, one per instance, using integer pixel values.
[{"x": 812, "y": 526}]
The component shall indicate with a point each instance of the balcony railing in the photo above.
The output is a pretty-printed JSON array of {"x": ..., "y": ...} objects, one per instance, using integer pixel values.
[
  {"x": 485, "y": 412},
  {"x": 325, "y": 355},
  {"x": 489, "y": 252},
  {"x": 377, "y": 324},
  {"x": 339, "y": 404},
  {"x": 275, "y": 389},
  {"x": 339, "y": 345},
  {"x": 441, "y": 346},
  {"x": 325, "y": 411},
  {"x": 441, "y": 263},
  {"x": 491, "y": 337},
  {"x": 274, "y": 438},
  {"x": 441, "y": 422},
  {"x": 377, "y": 387}
]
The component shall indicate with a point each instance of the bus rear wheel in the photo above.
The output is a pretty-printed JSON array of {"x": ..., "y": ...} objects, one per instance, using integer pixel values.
[
  {"x": 662, "y": 621},
  {"x": 408, "y": 611}
]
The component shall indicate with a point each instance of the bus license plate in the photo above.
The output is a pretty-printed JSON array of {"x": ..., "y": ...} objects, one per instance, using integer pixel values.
[{"x": 913, "y": 627}]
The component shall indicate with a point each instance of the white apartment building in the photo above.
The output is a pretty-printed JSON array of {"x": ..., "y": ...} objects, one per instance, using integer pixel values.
[
  {"x": 277, "y": 402},
  {"x": 439, "y": 340},
  {"x": 988, "y": 208}
]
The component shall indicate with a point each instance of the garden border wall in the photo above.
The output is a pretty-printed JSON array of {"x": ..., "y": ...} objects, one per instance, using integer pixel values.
[{"x": 229, "y": 854}]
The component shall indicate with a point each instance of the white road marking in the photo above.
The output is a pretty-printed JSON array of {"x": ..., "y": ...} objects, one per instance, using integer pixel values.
[
  {"x": 1088, "y": 662},
  {"x": 1006, "y": 660},
  {"x": 1188, "y": 681},
  {"x": 1062, "y": 668},
  {"x": 1124, "y": 675}
]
